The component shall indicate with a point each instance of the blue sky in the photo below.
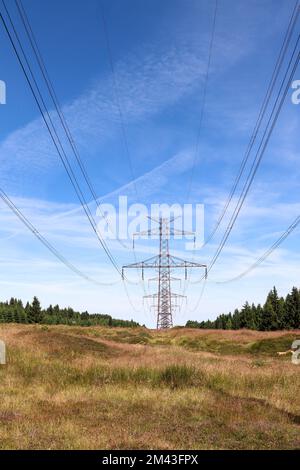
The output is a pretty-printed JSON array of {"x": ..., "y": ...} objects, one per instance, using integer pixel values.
[{"x": 159, "y": 51}]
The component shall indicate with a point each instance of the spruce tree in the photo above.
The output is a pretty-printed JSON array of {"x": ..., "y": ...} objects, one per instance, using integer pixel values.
[
  {"x": 35, "y": 311},
  {"x": 236, "y": 324},
  {"x": 293, "y": 308},
  {"x": 246, "y": 316},
  {"x": 269, "y": 319},
  {"x": 259, "y": 317}
]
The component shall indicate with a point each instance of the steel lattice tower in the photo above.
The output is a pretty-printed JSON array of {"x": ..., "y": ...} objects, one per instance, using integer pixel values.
[{"x": 165, "y": 302}]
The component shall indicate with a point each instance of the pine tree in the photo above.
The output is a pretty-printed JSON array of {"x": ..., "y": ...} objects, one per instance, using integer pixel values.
[
  {"x": 269, "y": 319},
  {"x": 293, "y": 308},
  {"x": 9, "y": 318},
  {"x": 236, "y": 323},
  {"x": 50, "y": 310},
  {"x": 271, "y": 315},
  {"x": 35, "y": 311},
  {"x": 259, "y": 317},
  {"x": 27, "y": 311},
  {"x": 281, "y": 313},
  {"x": 229, "y": 322},
  {"x": 246, "y": 316},
  {"x": 297, "y": 312}
]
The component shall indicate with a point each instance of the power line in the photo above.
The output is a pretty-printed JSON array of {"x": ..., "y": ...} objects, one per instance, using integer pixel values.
[
  {"x": 55, "y": 100},
  {"x": 51, "y": 90},
  {"x": 117, "y": 95},
  {"x": 191, "y": 310},
  {"x": 284, "y": 47},
  {"x": 260, "y": 152},
  {"x": 278, "y": 65},
  {"x": 203, "y": 99},
  {"x": 117, "y": 100},
  {"x": 5, "y": 198},
  {"x": 258, "y": 157},
  {"x": 267, "y": 253},
  {"x": 64, "y": 123},
  {"x": 203, "y": 104},
  {"x": 53, "y": 134}
]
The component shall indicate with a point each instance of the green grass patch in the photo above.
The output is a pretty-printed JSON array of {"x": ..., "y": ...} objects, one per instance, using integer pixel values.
[
  {"x": 210, "y": 345},
  {"x": 271, "y": 346}
]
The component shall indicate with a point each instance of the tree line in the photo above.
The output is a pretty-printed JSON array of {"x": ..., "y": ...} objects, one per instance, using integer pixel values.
[
  {"x": 13, "y": 311},
  {"x": 277, "y": 313}
]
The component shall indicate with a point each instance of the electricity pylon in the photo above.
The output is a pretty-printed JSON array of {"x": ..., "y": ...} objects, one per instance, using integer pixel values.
[{"x": 164, "y": 301}]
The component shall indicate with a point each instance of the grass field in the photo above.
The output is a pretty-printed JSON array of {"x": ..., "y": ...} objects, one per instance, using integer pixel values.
[{"x": 101, "y": 388}]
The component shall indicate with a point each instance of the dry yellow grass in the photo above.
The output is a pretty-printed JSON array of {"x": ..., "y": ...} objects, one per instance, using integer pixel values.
[{"x": 101, "y": 388}]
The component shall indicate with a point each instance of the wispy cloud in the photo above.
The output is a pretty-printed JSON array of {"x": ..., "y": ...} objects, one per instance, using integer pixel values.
[{"x": 149, "y": 79}]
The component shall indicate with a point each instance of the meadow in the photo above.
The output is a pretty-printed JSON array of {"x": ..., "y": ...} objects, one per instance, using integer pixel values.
[{"x": 68, "y": 387}]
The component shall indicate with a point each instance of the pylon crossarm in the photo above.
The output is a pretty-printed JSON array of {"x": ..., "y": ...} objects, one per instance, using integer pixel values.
[
  {"x": 142, "y": 264},
  {"x": 182, "y": 263},
  {"x": 174, "y": 262},
  {"x": 172, "y": 278},
  {"x": 174, "y": 231},
  {"x": 173, "y": 295},
  {"x": 151, "y": 262}
]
